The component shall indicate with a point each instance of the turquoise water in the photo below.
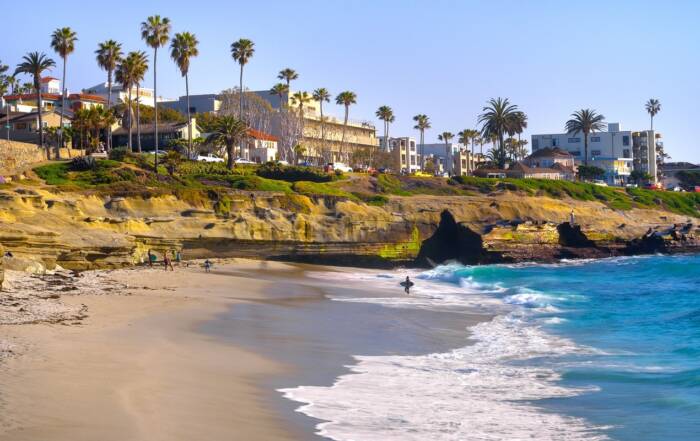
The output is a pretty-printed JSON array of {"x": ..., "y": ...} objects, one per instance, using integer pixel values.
[{"x": 638, "y": 317}]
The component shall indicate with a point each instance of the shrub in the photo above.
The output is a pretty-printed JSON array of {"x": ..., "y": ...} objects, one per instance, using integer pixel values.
[
  {"x": 320, "y": 189},
  {"x": 83, "y": 163},
  {"x": 293, "y": 173},
  {"x": 118, "y": 153}
]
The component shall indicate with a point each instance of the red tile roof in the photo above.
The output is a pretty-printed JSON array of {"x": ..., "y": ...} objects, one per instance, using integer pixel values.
[
  {"x": 47, "y": 79},
  {"x": 86, "y": 97},
  {"x": 261, "y": 135},
  {"x": 32, "y": 96}
]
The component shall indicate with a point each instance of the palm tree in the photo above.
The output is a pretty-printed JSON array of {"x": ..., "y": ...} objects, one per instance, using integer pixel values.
[
  {"x": 34, "y": 64},
  {"x": 288, "y": 75},
  {"x": 182, "y": 49},
  {"x": 155, "y": 31},
  {"x": 63, "y": 43},
  {"x": 322, "y": 95},
  {"x": 300, "y": 99},
  {"x": 517, "y": 124},
  {"x": 585, "y": 121},
  {"x": 465, "y": 137},
  {"x": 281, "y": 90},
  {"x": 125, "y": 75},
  {"x": 422, "y": 124},
  {"x": 140, "y": 60},
  {"x": 346, "y": 98},
  {"x": 386, "y": 114},
  {"x": 495, "y": 121},
  {"x": 109, "y": 54},
  {"x": 228, "y": 131},
  {"x": 242, "y": 51},
  {"x": 653, "y": 107},
  {"x": 446, "y": 137}
]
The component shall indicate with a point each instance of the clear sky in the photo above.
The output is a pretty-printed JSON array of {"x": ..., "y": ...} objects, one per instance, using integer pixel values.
[{"x": 441, "y": 58}]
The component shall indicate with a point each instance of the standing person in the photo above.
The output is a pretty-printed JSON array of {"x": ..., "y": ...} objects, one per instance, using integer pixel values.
[
  {"x": 207, "y": 266},
  {"x": 572, "y": 219},
  {"x": 407, "y": 284},
  {"x": 151, "y": 258},
  {"x": 178, "y": 256},
  {"x": 167, "y": 263}
]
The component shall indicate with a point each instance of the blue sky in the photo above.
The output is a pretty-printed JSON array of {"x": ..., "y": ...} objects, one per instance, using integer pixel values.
[{"x": 441, "y": 58}]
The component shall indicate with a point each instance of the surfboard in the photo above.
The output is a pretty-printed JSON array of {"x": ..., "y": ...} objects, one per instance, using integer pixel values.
[{"x": 405, "y": 284}]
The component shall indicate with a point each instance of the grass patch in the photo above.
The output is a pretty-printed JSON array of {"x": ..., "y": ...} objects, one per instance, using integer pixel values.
[{"x": 320, "y": 189}]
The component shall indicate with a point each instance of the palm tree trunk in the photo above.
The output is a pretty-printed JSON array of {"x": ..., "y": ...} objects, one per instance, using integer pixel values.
[
  {"x": 240, "y": 95},
  {"x": 131, "y": 123},
  {"x": 189, "y": 117},
  {"x": 109, "y": 108},
  {"x": 63, "y": 109},
  {"x": 138, "y": 117},
  {"x": 323, "y": 134},
  {"x": 585, "y": 148},
  {"x": 229, "y": 151},
  {"x": 39, "y": 104},
  {"x": 155, "y": 106},
  {"x": 652, "y": 122}
]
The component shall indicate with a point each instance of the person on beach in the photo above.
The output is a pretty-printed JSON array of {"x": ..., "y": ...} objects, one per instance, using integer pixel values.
[
  {"x": 167, "y": 263},
  {"x": 207, "y": 266},
  {"x": 407, "y": 285},
  {"x": 151, "y": 258},
  {"x": 572, "y": 219},
  {"x": 178, "y": 256}
]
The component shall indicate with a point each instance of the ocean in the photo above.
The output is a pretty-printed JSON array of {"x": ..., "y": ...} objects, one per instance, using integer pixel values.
[{"x": 582, "y": 350}]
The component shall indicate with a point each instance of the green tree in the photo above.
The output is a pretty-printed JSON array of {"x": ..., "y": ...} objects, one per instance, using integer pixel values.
[
  {"x": 125, "y": 75},
  {"x": 386, "y": 114},
  {"x": 496, "y": 119},
  {"x": 63, "y": 43},
  {"x": 182, "y": 49},
  {"x": 281, "y": 90},
  {"x": 688, "y": 179},
  {"x": 653, "y": 107},
  {"x": 300, "y": 99},
  {"x": 155, "y": 31},
  {"x": 242, "y": 51},
  {"x": 172, "y": 161},
  {"x": 287, "y": 75},
  {"x": 140, "y": 67},
  {"x": 422, "y": 124},
  {"x": 346, "y": 99},
  {"x": 34, "y": 64},
  {"x": 323, "y": 95},
  {"x": 585, "y": 121},
  {"x": 228, "y": 131},
  {"x": 108, "y": 55},
  {"x": 639, "y": 177}
]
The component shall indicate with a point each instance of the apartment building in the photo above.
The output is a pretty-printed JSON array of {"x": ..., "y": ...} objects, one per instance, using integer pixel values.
[{"x": 404, "y": 153}]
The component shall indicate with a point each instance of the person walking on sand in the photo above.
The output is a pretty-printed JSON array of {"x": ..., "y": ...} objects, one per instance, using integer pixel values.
[
  {"x": 151, "y": 258},
  {"x": 167, "y": 263},
  {"x": 207, "y": 266}
]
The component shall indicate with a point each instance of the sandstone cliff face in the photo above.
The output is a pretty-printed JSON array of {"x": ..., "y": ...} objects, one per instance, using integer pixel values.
[{"x": 43, "y": 228}]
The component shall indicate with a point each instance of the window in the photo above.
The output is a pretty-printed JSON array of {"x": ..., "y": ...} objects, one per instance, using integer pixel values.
[
  {"x": 595, "y": 152},
  {"x": 535, "y": 144},
  {"x": 575, "y": 153},
  {"x": 595, "y": 139},
  {"x": 554, "y": 142},
  {"x": 626, "y": 153},
  {"x": 574, "y": 140},
  {"x": 413, "y": 160},
  {"x": 625, "y": 140},
  {"x": 403, "y": 159},
  {"x": 21, "y": 126},
  {"x": 193, "y": 110}
]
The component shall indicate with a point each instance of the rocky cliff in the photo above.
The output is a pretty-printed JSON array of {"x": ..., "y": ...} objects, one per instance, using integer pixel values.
[{"x": 43, "y": 227}]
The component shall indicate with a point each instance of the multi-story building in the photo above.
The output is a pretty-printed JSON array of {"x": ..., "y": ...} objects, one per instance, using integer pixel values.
[
  {"x": 464, "y": 162},
  {"x": 646, "y": 146},
  {"x": 52, "y": 99},
  {"x": 50, "y": 85},
  {"x": 612, "y": 150},
  {"x": 145, "y": 95},
  {"x": 404, "y": 153},
  {"x": 323, "y": 141},
  {"x": 206, "y": 103}
]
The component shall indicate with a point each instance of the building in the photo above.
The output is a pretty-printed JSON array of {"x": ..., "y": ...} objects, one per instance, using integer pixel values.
[
  {"x": 327, "y": 144},
  {"x": 464, "y": 162},
  {"x": 671, "y": 169},
  {"x": 260, "y": 147},
  {"x": 404, "y": 153},
  {"x": 167, "y": 133},
  {"x": 646, "y": 146},
  {"x": 521, "y": 171},
  {"x": 612, "y": 150},
  {"x": 24, "y": 127},
  {"x": 553, "y": 158},
  {"x": 50, "y": 85},
  {"x": 145, "y": 95},
  {"x": 207, "y": 103}
]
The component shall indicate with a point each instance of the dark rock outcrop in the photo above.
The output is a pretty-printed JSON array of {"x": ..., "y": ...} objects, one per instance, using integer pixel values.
[
  {"x": 572, "y": 236},
  {"x": 650, "y": 243},
  {"x": 453, "y": 241}
]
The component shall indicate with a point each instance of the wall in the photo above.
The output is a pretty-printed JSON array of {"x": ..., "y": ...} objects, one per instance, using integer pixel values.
[{"x": 17, "y": 156}]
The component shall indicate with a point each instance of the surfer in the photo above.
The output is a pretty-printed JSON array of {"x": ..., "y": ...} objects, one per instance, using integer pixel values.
[{"x": 407, "y": 284}]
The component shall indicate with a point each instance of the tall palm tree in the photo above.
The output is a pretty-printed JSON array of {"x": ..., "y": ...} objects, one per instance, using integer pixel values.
[
  {"x": 34, "y": 64},
  {"x": 140, "y": 60},
  {"x": 108, "y": 55},
  {"x": 155, "y": 31},
  {"x": 585, "y": 121},
  {"x": 386, "y": 114},
  {"x": 653, "y": 107},
  {"x": 228, "y": 131},
  {"x": 422, "y": 124},
  {"x": 287, "y": 75},
  {"x": 125, "y": 75},
  {"x": 182, "y": 49},
  {"x": 517, "y": 124},
  {"x": 281, "y": 90},
  {"x": 495, "y": 121},
  {"x": 242, "y": 51},
  {"x": 5, "y": 84},
  {"x": 346, "y": 99},
  {"x": 63, "y": 43},
  {"x": 322, "y": 95},
  {"x": 300, "y": 99},
  {"x": 446, "y": 137}
]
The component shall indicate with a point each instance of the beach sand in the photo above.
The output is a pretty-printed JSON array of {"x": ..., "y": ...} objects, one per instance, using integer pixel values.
[{"x": 144, "y": 354}]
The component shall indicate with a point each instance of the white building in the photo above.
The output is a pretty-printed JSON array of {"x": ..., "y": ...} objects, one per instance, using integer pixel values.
[
  {"x": 260, "y": 147},
  {"x": 119, "y": 95},
  {"x": 50, "y": 85},
  {"x": 612, "y": 150},
  {"x": 404, "y": 152}
]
